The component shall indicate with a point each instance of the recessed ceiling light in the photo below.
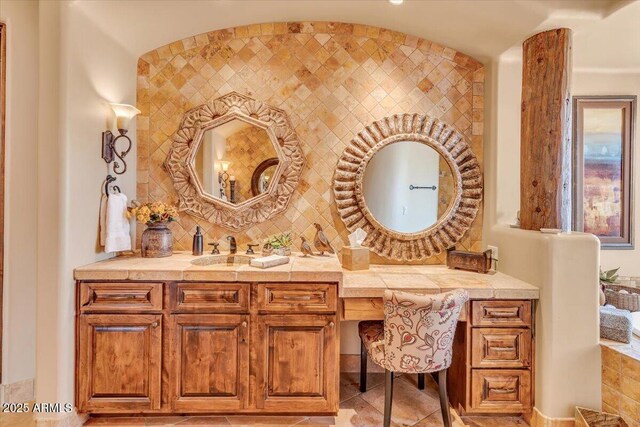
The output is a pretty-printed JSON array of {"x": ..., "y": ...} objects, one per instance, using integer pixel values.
[{"x": 396, "y": 2}]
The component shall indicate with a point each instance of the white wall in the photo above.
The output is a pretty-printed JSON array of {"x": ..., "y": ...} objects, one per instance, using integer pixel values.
[
  {"x": 612, "y": 83},
  {"x": 86, "y": 69},
  {"x": 502, "y": 148},
  {"x": 386, "y": 186},
  {"x": 19, "y": 311}
]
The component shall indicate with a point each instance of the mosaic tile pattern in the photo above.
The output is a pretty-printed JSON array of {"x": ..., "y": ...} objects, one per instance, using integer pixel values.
[{"x": 332, "y": 79}]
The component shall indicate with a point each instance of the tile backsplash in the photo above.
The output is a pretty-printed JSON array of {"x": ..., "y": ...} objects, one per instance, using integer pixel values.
[{"x": 332, "y": 79}]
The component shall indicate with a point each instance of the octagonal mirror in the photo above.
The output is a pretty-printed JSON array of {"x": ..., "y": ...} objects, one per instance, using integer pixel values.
[{"x": 235, "y": 161}]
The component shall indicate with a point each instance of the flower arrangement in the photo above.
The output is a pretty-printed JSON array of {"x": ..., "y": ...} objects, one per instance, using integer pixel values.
[{"x": 154, "y": 212}]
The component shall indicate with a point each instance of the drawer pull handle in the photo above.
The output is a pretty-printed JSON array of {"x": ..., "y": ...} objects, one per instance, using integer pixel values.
[
  {"x": 297, "y": 297},
  {"x": 244, "y": 324},
  {"x": 331, "y": 324},
  {"x": 503, "y": 348},
  {"x": 502, "y": 390},
  {"x": 502, "y": 313},
  {"x": 155, "y": 324}
]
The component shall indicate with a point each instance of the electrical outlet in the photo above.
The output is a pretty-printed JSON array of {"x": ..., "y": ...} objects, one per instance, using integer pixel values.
[{"x": 494, "y": 252}]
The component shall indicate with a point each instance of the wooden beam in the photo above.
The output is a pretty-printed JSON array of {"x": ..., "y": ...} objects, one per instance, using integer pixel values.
[{"x": 545, "y": 134}]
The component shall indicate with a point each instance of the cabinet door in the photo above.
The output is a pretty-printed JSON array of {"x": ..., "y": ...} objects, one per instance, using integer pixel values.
[
  {"x": 296, "y": 364},
  {"x": 210, "y": 370},
  {"x": 118, "y": 364}
]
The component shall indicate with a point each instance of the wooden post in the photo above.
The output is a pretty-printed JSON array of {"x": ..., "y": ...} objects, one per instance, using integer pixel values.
[{"x": 545, "y": 146}]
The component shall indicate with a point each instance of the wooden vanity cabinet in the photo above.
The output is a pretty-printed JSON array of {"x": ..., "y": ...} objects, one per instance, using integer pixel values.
[
  {"x": 119, "y": 362},
  {"x": 493, "y": 358},
  {"x": 210, "y": 358},
  {"x": 196, "y": 347}
]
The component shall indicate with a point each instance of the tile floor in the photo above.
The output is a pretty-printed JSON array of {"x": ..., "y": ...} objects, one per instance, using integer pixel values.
[{"x": 411, "y": 407}]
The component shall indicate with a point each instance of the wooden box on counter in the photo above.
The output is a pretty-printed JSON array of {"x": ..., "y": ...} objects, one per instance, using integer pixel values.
[{"x": 355, "y": 258}]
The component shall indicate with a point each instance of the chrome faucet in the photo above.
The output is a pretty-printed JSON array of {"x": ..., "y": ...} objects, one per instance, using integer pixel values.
[{"x": 233, "y": 248}]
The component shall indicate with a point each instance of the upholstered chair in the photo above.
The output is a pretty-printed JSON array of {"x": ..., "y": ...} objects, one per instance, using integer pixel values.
[{"x": 416, "y": 337}]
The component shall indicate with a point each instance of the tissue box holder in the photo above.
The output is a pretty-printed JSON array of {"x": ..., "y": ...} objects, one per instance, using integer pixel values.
[
  {"x": 355, "y": 258},
  {"x": 615, "y": 324}
]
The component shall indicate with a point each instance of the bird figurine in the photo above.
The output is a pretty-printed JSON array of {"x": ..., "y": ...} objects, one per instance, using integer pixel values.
[
  {"x": 305, "y": 247},
  {"x": 321, "y": 242}
]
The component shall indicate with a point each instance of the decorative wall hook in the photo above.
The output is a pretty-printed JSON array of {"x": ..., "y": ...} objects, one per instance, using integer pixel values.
[{"x": 124, "y": 113}]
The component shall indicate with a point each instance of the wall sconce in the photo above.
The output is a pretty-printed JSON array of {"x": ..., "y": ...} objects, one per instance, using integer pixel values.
[
  {"x": 223, "y": 176},
  {"x": 124, "y": 113}
]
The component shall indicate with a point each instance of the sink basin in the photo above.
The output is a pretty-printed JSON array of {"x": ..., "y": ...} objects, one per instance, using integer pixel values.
[{"x": 222, "y": 260}]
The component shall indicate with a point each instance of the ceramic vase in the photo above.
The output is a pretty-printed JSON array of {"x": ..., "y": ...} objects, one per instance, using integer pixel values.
[{"x": 157, "y": 241}]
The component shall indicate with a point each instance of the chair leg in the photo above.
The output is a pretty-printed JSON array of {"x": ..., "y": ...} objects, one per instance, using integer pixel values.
[
  {"x": 421, "y": 381},
  {"x": 388, "y": 396},
  {"x": 444, "y": 399},
  {"x": 363, "y": 367}
]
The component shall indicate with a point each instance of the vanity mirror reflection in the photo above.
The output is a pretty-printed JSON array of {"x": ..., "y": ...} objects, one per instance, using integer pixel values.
[
  {"x": 235, "y": 161},
  {"x": 228, "y": 158},
  {"x": 412, "y": 183},
  {"x": 408, "y": 186}
]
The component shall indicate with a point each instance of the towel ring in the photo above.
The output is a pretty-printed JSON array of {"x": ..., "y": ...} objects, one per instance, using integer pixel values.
[{"x": 109, "y": 180}]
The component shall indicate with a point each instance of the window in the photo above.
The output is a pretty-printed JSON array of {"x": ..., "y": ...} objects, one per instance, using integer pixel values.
[{"x": 602, "y": 179}]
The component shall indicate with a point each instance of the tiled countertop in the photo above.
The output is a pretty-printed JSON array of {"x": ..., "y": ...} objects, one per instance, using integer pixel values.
[
  {"x": 179, "y": 267},
  {"x": 631, "y": 350},
  {"x": 434, "y": 279},
  {"x": 368, "y": 283}
]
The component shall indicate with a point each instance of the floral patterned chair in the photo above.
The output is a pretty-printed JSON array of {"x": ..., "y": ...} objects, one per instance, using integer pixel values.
[{"x": 416, "y": 337}]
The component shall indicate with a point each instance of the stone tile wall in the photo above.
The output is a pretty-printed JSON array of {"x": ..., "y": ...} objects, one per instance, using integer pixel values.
[
  {"x": 246, "y": 150},
  {"x": 621, "y": 382},
  {"x": 332, "y": 79}
]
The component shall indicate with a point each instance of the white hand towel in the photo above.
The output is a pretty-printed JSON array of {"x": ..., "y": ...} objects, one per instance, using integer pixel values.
[
  {"x": 103, "y": 219},
  {"x": 118, "y": 238}
]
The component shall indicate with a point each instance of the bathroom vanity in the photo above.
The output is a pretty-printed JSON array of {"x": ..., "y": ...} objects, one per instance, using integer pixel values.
[
  {"x": 163, "y": 335},
  {"x": 167, "y": 336}
]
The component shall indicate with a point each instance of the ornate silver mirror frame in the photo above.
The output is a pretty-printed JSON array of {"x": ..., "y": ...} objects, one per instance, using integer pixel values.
[
  {"x": 179, "y": 161},
  {"x": 450, "y": 227}
]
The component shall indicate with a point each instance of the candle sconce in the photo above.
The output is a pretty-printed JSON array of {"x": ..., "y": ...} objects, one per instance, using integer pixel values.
[
  {"x": 223, "y": 176},
  {"x": 124, "y": 114}
]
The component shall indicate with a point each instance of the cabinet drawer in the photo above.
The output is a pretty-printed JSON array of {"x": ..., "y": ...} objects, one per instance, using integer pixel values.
[
  {"x": 297, "y": 297},
  {"x": 501, "y": 313},
  {"x": 120, "y": 297},
  {"x": 494, "y": 390},
  {"x": 210, "y": 297},
  {"x": 500, "y": 348}
]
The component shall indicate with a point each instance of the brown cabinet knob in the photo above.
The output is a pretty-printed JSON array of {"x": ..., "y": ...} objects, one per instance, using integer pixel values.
[
  {"x": 331, "y": 324},
  {"x": 155, "y": 324},
  {"x": 244, "y": 324}
]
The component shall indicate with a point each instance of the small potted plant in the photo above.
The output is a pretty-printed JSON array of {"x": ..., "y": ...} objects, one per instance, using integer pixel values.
[
  {"x": 157, "y": 239},
  {"x": 280, "y": 244},
  {"x": 608, "y": 277}
]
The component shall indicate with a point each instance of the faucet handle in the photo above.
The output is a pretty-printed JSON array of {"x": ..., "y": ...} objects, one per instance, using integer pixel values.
[
  {"x": 250, "y": 247},
  {"x": 215, "y": 250}
]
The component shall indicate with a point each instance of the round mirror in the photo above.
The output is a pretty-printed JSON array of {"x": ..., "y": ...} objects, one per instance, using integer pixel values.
[
  {"x": 227, "y": 158},
  {"x": 263, "y": 175},
  {"x": 408, "y": 186}
]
